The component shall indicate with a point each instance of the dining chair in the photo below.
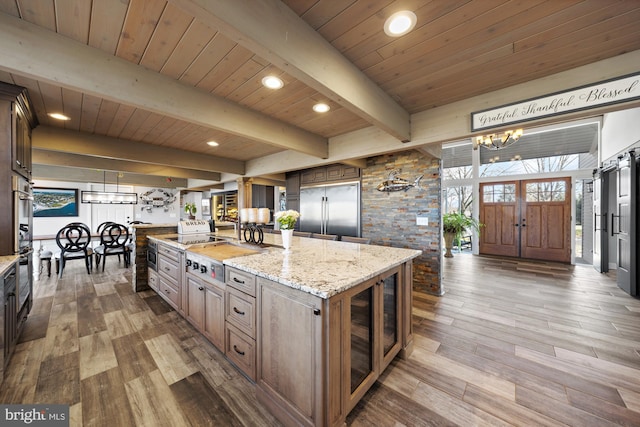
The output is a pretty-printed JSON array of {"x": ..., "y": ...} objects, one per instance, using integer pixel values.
[
  {"x": 99, "y": 232},
  {"x": 351, "y": 239},
  {"x": 73, "y": 240},
  {"x": 114, "y": 239},
  {"x": 325, "y": 236}
]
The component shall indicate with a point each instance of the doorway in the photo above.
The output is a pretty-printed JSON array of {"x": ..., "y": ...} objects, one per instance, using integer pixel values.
[{"x": 527, "y": 219}]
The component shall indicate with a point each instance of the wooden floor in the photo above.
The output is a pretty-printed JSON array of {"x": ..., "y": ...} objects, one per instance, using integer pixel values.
[{"x": 527, "y": 344}]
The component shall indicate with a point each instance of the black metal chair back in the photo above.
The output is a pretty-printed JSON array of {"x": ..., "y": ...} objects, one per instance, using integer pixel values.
[
  {"x": 114, "y": 238},
  {"x": 73, "y": 240}
]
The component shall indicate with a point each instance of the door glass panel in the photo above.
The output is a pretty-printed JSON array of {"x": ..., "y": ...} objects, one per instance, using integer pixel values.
[
  {"x": 361, "y": 337},
  {"x": 389, "y": 324},
  {"x": 499, "y": 193},
  {"x": 550, "y": 191}
]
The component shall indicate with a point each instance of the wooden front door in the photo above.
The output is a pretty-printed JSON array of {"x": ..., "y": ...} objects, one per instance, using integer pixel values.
[
  {"x": 528, "y": 219},
  {"x": 499, "y": 212}
]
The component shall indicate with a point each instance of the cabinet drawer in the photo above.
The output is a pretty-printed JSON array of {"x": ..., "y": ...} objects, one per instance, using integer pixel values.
[
  {"x": 241, "y": 311},
  {"x": 169, "y": 252},
  {"x": 168, "y": 267},
  {"x": 241, "y": 350},
  {"x": 152, "y": 279},
  {"x": 246, "y": 282},
  {"x": 168, "y": 290}
]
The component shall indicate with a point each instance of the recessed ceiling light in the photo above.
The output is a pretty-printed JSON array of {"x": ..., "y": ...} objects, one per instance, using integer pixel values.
[
  {"x": 321, "y": 108},
  {"x": 400, "y": 23},
  {"x": 272, "y": 82},
  {"x": 59, "y": 116},
  {"x": 212, "y": 143}
]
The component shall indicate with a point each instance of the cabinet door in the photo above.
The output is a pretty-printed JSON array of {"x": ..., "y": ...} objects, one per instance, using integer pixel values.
[
  {"x": 194, "y": 310},
  {"x": 362, "y": 362},
  {"x": 311, "y": 176},
  {"x": 152, "y": 279},
  {"x": 390, "y": 299},
  {"x": 290, "y": 350},
  {"x": 293, "y": 184},
  {"x": 213, "y": 327}
]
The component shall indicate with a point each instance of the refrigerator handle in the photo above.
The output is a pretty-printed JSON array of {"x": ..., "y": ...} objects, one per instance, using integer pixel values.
[{"x": 323, "y": 220}]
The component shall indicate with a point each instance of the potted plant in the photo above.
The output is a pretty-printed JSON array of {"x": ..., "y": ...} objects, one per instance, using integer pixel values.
[
  {"x": 454, "y": 224},
  {"x": 190, "y": 209},
  {"x": 287, "y": 221}
]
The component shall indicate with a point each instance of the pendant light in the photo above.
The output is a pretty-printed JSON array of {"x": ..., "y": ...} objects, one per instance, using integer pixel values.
[{"x": 109, "y": 197}]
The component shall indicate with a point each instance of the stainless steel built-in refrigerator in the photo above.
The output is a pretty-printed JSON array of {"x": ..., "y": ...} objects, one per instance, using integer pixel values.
[{"x": 331, "y": 209}]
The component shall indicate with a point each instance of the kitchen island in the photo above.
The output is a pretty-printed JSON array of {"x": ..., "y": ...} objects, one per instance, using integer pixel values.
[{"x": 314, "y": 326}]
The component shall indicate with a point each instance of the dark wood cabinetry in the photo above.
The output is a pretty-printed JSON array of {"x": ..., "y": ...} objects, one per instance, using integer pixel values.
[
  {"x": 337, "y": 172},
  {"x": 16, "y": 122},
  {"x": 262, "y": 196},
  {"x": 312, "y": 176},
  {"x": 15, "y": 127}
]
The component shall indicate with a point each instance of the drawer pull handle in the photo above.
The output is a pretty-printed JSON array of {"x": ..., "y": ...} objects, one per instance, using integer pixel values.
[
  {"x": 241, "y": 353},
  {"x": 200, "y": 288},
  {"x": 235, "y": 279},
  {"x": 241, "y": 313}
]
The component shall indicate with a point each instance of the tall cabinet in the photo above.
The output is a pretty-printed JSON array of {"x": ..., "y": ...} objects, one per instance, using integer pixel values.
[{"x": 16, "y": 121}]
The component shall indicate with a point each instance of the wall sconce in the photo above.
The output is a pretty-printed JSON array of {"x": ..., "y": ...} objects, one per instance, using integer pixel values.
[
  {"x": 497, "y": 141},
  {"x": 588, "y": 186}
]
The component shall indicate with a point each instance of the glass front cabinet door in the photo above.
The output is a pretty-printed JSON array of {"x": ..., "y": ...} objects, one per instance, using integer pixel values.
[{"x": 374, "y": 309}]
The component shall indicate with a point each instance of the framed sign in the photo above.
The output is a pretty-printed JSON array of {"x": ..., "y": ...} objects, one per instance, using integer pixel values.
[
  {"x": 53, "y": 202},
  {"x": 206, "y": 207},
  {"x": 613, "y": 91}
]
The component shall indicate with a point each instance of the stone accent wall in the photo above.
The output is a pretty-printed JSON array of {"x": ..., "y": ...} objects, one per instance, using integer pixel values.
[
  {"x": 139, "y": 260},
  {"x": 390, "y": 218}
]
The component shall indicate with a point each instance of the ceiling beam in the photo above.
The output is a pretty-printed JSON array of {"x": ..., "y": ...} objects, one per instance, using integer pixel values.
[
  {"x": 43, "y": 157},
  {"x": 273, "y": 31},
  {"x": 33, "y": 51},
  {"x": 61, "y": 140},
  {"x": 54, "y": 173}
]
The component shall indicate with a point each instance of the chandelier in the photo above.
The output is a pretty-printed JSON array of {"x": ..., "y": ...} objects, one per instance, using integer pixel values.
[
  {"x": 497, "y": 141},
  {"x": 109, "y": 197}
]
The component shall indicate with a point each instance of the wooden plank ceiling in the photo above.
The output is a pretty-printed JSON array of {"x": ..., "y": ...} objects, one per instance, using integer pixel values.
[{"x": 179, "y": 73}]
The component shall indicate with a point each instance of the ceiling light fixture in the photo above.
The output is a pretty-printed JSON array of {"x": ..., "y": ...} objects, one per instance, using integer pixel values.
[
  {"x": 497, "y": 141},
  {"x": 400, "y": 23},
  {"x": 59, "y": 116},
  {"x": 212, "y": 144},
  {"x": 109, "y": 197},
  {"x": 272, "y": 82},
  {"x": 321, "y": 108}
]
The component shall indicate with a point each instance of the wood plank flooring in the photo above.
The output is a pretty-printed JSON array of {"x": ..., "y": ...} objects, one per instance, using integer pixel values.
[{"x": 510, "y": 343}]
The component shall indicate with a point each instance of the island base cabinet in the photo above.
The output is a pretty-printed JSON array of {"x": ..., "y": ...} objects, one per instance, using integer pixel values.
[
  {"x": 290, "y": 358},
  {"x": 318, "y": 357},
  {"x": 205, "y": 309}
]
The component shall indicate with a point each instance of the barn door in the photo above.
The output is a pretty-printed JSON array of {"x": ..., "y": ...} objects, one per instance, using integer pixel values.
[
  {"x": 545, "y": 222},
  {"x": 600, "y": 221},
  {"x": 529, "y": 219},
  {"x": 623, "y": 224}
]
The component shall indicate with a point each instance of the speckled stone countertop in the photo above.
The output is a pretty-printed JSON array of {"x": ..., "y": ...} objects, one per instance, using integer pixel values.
[
  {"x": 321, "y": 267},
  {"x": 6, "y": 261}
]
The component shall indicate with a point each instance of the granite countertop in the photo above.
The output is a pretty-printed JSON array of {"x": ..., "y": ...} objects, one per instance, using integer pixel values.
[
  {"x": 6, "y": 261},
  {"x": 320, "y": 267}
]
